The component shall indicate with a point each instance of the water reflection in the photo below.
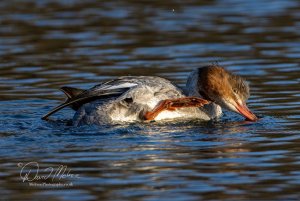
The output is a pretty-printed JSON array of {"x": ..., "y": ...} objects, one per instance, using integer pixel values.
[{"x": 47, "y": 44}]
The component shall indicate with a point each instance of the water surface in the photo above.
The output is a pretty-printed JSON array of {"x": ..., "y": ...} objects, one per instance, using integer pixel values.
[{"x": 48, "y": 44}]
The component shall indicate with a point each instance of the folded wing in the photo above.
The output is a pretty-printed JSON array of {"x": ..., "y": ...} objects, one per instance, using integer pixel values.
[{"x": 77, "y": 97}]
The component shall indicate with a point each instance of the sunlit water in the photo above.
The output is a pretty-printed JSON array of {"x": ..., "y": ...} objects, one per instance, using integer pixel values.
[{"x": 48, "y": 44}]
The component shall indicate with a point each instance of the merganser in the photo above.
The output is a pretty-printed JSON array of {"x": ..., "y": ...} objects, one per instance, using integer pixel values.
[{"x": 140, "y": 98}]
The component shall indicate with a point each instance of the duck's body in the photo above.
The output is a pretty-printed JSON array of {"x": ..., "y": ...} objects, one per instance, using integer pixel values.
[
  {"x": 139, "y": 98},
  {"x": 143, "y": 94}
]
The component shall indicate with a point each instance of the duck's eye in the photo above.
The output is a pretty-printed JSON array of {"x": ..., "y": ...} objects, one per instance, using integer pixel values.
[{"x": 235, "y": 91}]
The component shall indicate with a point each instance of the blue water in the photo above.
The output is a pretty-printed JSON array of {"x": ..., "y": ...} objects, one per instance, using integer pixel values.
[{"x": 48, "y": 44}]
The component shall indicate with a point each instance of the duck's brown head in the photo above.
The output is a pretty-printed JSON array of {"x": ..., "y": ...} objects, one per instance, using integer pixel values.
[{"x": 225, "y": 89}]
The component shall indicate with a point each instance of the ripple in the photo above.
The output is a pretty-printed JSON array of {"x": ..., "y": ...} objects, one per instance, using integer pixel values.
[{"x": 49, "y": 44}]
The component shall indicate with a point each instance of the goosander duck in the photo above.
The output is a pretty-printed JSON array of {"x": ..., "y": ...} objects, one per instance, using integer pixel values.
[{"x": 140, "y": 98}]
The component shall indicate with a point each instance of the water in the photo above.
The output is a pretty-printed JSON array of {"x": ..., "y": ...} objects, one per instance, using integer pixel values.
[{"x": 48, "y": 44}]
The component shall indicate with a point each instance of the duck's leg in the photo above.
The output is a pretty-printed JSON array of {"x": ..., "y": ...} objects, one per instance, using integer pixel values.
[{"x": 172, "y": 104}]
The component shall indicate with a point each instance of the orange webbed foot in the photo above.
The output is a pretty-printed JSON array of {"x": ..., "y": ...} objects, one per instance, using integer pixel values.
[{"x": 173, "y": 104}]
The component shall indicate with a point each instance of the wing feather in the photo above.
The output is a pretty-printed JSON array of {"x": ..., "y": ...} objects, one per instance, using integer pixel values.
[{"x": 112, "y": 88}]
